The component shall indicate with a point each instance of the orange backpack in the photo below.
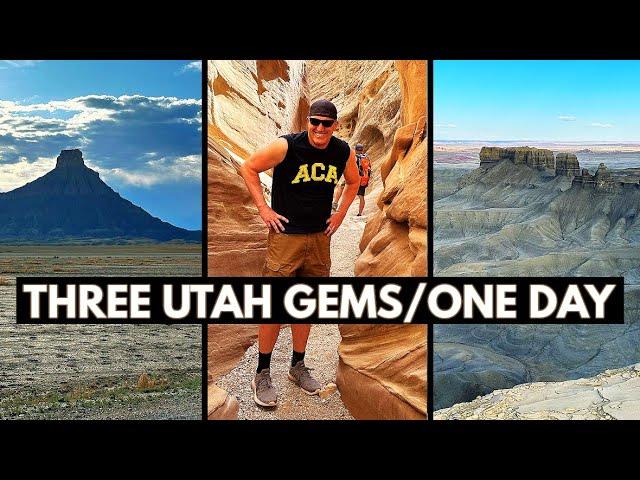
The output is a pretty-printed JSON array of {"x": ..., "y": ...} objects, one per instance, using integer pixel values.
[{"x": 364, "y": 170}]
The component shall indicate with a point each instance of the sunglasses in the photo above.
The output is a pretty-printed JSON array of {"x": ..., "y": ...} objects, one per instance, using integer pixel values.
[{"x": 325, "y": 123}]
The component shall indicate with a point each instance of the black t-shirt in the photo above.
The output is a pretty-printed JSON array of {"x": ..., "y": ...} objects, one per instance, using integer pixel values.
[{"x": 303, "y": 183}]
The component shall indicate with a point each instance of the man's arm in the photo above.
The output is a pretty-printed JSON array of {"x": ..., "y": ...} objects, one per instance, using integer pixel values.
[
  {"x": 262, "y": 160},
  {"x": 352, "y": 179}
]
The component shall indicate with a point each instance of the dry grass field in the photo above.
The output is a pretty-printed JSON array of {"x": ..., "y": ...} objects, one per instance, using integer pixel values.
[{"x": 98, "y": 371}]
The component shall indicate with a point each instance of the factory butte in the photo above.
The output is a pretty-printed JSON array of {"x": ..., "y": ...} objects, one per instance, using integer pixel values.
[{"x": 563, "y": 164}]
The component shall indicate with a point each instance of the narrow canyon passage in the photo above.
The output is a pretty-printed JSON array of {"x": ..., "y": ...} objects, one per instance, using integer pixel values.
[{"x": 381, "y": 104}]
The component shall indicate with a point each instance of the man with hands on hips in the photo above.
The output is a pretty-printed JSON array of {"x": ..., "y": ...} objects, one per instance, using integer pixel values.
[{"x": 306, "y": 168}]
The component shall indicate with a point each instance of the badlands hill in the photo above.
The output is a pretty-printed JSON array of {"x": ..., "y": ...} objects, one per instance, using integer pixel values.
[
  {"x": 511, "y": 218},
  {"x": 72, "y": 203}
]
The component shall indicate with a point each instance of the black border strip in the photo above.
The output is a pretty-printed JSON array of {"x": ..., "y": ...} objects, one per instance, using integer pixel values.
[
  {"x": 205, "y": 230},
  {"x": 429, "y": 88}
]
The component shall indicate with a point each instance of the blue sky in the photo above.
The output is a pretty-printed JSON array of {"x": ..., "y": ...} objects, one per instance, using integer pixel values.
[
  {"x": 570, "y": 101},
  {"x": 138, "y": 123}
]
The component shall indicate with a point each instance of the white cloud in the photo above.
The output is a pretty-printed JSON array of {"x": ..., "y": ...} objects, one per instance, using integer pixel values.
[
  {"x": 18, "y": 63},
  {"x": 191, "y": 67},
  {"x": 14, "y": 175},
  {"x": 602, "y": 125},
  {"x": 133, "y": 139},
  {"x": 445, "y": 125},
  {"x": 162, "y": 170},
  {"x": 567, "y": 118}
]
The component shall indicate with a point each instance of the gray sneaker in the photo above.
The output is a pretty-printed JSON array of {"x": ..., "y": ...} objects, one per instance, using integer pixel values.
[
  {"x": 299, "y": 374},
  {"x": 264, "y": 393}
]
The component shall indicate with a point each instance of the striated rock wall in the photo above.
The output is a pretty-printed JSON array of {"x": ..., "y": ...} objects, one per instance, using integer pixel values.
[
  {"x": 251, "y": 102},
  {"x": 539, "y": 158},
  {"x": 612, "y": 395},
  {"x": 237, "y": 237},
  {"x": 394, "y": 240},
  {"x": 382, "y": 371},
  {"x": 221, "y": 405},
  {"x": 226, "y": 346},
  {"x": 367, "y": 96},
  {"x": 567, "y": 164}
]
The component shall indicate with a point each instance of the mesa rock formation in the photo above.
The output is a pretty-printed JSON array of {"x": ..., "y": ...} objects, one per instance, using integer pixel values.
[
  {"x": 72, "y": 203},
  {"x": 539, "y": 158},
  {"x": 381, "y": 104},
  {"x": 567, "y": 164}
]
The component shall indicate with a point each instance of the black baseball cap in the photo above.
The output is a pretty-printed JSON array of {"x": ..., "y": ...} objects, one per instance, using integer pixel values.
[
  {"x": 359, "y": 147},
  {"x": 323, "y": 108}
]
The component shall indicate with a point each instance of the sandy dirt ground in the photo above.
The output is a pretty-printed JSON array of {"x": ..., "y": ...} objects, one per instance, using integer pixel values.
[
  {"x": 91, "y": 371},
  {"x": 293, "y": 403}
]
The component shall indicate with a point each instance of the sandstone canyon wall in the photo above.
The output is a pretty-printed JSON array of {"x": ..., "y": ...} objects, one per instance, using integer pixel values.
[
  {"x": 251, "y": 102},
  {"x": 394, "y": 241},
  {"x": 382, "y": 104},
  {"x": 382, "y": 372},
  {"x": 226, "y": 345}
]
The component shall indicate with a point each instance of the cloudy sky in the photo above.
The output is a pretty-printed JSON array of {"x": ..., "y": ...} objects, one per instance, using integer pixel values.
[
  {"x": 557, "y": 100},
  {"x": 138, "y": 123}
]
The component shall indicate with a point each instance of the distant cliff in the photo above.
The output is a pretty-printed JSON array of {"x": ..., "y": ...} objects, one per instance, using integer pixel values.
[
  {"x": 562, "y": 165},
  {"x": 534, "y": 157}
]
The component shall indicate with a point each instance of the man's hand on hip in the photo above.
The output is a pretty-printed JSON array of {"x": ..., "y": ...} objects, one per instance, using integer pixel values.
[
  {"x": 334, "y": 222},
  {"x": 272, "y": 219}
]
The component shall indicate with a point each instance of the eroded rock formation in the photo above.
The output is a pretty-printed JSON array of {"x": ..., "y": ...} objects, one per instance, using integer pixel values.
[
  {"x": 221, "y": 405},
  {"x": 71, "y": 202},
  {"x": 382, "y": 371},
  {"x": 251, "y": 102},
  {"x": 237, "y": 239},
  {"x": 539, "y": 158},
  {"x": 226, "y": 346},
  {"x": 367, "y": 96},
  {"x": 612, "y": 395},
  {"x": 511, "y": 219},
  {"x": 394, "y": 240},
  {"x": 567, "y": 164}
]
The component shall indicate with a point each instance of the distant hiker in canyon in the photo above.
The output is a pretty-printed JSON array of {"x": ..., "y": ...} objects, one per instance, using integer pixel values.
[
  {"x": 306, "y": 168},
  {"x": 364, "y": 169}
]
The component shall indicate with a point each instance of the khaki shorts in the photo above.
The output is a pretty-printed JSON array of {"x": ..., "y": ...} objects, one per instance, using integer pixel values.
[{"x": 297, "y": 255}]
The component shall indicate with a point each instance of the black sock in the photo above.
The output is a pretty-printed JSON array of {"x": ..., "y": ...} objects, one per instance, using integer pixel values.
[
  {"x": 264, "y": 361},
  {"x": 296, "y": 357}
]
